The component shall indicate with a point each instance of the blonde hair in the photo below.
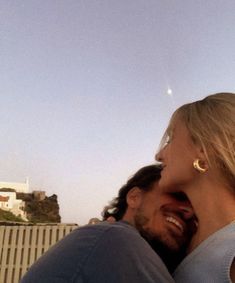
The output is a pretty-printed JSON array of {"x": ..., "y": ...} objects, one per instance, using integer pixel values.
[{"x": 211, "y": 123}]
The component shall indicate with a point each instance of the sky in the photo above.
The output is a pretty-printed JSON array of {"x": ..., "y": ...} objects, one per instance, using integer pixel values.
[{"x": 84, "y": 88}]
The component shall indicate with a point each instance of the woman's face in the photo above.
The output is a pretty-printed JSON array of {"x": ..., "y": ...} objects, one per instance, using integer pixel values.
[{"x": 177, "y": 158}]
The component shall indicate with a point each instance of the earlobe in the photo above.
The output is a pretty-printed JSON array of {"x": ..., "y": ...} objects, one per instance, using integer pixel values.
[
  {"x": 197, "y": 164},
  {"x": 134, "y": 197},
  {"x": 200, "y": 163}
]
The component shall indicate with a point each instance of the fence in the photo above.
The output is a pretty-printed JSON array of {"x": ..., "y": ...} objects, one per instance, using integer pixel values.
[{"x": 22, "y": 245}]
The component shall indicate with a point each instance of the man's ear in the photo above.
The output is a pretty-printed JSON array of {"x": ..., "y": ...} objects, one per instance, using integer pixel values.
[{"x": 134, "y": 197}]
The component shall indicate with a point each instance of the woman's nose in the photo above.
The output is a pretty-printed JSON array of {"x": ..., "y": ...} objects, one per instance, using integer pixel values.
[{"x": 158, "y": 156}]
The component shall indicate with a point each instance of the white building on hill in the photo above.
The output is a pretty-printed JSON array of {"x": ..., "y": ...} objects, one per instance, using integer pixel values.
[
  {"x": 8, "y": 200},
  {"x": 18, "y": 187}
]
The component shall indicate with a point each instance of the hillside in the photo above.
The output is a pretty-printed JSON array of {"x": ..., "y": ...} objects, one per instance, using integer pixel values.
[{"x": 8, "y": 216}]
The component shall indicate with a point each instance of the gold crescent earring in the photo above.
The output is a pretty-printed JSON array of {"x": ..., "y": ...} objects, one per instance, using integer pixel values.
[{"x": 198, "y": 167}]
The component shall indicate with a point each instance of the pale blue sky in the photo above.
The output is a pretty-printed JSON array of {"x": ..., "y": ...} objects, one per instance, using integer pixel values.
[{"x": 83, "y": 88}]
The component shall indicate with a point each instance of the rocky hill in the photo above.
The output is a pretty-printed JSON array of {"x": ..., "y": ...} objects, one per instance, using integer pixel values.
[{"x": 40, "y": 208}]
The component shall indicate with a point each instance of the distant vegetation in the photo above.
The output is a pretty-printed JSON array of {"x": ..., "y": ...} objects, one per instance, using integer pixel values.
[
  {"x": 7, "y": 190},
  {"x": 8, "y": 216}
]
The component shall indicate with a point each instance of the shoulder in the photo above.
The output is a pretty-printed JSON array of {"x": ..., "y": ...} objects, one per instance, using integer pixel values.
[
  {"x": 101, "y": 229},
  {"x": 214, "y": 258},
  {"x": 91, "y": 239},
  {"x": 122, "y": 241},
  {"x": 122, "y": 255},
  {"x": 119, "y": 241},
  {"x": 111, "y": 233}
]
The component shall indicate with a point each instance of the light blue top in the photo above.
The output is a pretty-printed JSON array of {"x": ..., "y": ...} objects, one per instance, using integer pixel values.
[{"x": 211, "y": 261}]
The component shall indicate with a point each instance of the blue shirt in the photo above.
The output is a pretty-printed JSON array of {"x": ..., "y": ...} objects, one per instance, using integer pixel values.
[{"x": 101, "y": 253}]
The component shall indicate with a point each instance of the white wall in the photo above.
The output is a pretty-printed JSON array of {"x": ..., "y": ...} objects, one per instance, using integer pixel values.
[
  {"x": 19, "y": 187},
  {"x": 14, "y": 205}
]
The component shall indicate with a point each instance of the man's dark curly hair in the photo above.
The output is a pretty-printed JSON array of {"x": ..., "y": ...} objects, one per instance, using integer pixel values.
[{"x": 143, "y": 179}]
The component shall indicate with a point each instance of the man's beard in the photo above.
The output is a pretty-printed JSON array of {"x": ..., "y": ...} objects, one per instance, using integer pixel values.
[
  {"x": 171, "y": 253},
  {"x": 170, "y": 257}
]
